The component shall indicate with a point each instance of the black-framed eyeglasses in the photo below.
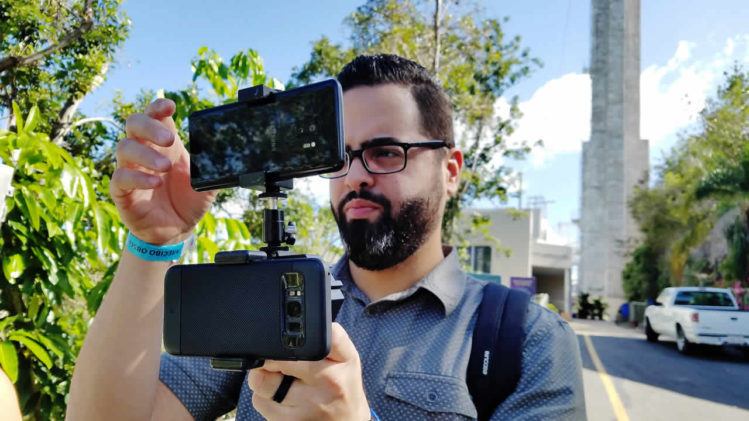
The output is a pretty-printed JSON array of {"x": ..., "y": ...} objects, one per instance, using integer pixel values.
[{"x": 383, "y": 156}]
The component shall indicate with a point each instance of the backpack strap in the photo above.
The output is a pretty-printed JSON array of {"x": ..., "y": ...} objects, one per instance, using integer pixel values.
[{"x": 496, "y": 357}]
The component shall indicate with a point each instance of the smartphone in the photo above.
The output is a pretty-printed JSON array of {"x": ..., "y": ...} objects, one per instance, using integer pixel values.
[
  {"x": 271, "y": 309},
  {"x": 284, "y": 135}
]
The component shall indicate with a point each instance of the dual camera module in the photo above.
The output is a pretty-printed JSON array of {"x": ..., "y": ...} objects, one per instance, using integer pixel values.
[{"x": 293, "y": 315}]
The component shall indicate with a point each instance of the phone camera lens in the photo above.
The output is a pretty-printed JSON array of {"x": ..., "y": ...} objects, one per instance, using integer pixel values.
[{"x": 294, "y": 309}]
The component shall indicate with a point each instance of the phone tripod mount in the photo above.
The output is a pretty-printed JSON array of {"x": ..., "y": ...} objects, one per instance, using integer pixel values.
[{"x": 277, "y": 236}]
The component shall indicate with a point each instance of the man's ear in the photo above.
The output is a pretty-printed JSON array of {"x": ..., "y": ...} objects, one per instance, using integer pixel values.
[{"x": 453, "y": 166}]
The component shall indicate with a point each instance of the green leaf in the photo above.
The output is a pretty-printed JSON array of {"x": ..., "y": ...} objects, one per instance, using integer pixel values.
[
  {"x": 49, "y": 263},
  {"x": 9, "y": 360},
  {"x": 13, "y": 267},
  {"x": 39, "y": 352},
  {"x": 207, "y": 249},
  {"x": 52, "y": 152},
  {"x": 68, "y": 181},
  {"x": 207, "y": 225},
  {"x": 32, "y": 206},
  {"x": 19, "y": 117},
  {"x": 33, "y": 310},
  {"x": 5, "y": 320},
  {"x": 32, "y": 120},
  {"x": 232, "y": 229},
  {"x": 276, "y": 84},
  {"x": 102, "y": 229},
  {"x": 39, "y": 337}
]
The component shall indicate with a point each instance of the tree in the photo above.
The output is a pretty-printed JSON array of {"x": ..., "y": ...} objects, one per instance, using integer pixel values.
[
  {"x": 52, "y": 54},
  {"x": 736, "y": 263},
  {"x": 727, "y": 130},
  {"x": 704, "y": 176},
  {"x": 642, "y": 278},
  {"x": 58, "y": 246},
  {"x": 469, "y": 55},
  {"x": 61, "y": 236}
]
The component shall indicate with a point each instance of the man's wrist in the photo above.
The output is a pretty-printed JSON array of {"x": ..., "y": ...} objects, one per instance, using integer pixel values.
[{"x": 153, "y": 252}]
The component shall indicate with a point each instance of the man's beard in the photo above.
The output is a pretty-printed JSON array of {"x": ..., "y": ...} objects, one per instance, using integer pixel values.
[{"x": 388, "y": 240}]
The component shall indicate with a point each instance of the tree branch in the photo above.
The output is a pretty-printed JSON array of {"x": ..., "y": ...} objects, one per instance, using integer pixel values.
[
  {"x": 474, "y": 149},
  {"x": 437, "y": 34},
  {"x": 63, "y": 126},
  {"x": 64, "y": 122},
  {"x": 7, "y": 63},
  {"x": 109, "y": 120}
]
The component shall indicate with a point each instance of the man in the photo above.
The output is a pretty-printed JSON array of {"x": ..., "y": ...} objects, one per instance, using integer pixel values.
[{"x": 401, "y": 343}]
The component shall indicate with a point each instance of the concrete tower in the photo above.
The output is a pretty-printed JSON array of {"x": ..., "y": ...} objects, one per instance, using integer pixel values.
[{"x": 615, "y": 159}]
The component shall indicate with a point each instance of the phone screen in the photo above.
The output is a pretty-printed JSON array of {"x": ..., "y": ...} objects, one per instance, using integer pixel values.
[{"x": 289, "y": 134}]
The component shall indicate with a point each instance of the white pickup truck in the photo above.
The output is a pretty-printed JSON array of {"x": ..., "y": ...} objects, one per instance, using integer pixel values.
[{"x": 697, "y": 316}]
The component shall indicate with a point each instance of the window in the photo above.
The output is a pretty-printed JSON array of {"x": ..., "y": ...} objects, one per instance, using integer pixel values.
[
  {"x": 479, "y": 259},
  {"x": 703, "y": 298}
]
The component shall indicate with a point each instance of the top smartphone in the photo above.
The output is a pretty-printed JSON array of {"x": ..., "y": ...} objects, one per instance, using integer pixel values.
[{"x": 288, "y": 134}]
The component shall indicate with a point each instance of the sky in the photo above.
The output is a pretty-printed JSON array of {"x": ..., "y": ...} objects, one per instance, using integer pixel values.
[{"x": 686, "y": 45}]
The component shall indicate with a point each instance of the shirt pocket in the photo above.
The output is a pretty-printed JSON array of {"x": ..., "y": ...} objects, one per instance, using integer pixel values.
[{"x": 430, "y": 395}]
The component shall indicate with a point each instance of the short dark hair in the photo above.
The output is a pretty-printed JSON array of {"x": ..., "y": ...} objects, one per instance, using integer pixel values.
[{"x": 434, "y": 107}]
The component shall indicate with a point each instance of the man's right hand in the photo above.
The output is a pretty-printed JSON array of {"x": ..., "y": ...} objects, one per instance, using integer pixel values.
[{"x": 151, "y": 185}]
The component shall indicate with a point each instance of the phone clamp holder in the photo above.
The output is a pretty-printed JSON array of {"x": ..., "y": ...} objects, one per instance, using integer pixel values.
[{"x": 277, "y": 235}]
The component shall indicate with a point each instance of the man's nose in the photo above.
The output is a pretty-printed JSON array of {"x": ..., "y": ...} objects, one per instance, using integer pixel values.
[{"x": 358, "y": 176}]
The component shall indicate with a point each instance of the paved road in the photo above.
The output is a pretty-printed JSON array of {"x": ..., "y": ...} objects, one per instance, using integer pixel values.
[{"x": 646, "y": 381}]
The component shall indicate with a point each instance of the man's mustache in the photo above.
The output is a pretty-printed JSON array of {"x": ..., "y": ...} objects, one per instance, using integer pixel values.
[{"x": 364, "y": 195}]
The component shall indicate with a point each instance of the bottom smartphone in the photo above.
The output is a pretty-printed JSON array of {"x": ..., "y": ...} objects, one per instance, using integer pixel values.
[{"x": 270, "y": 309}]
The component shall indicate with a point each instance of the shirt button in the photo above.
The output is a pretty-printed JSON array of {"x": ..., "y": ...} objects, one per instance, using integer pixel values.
[{"x": 432, "y": 396}]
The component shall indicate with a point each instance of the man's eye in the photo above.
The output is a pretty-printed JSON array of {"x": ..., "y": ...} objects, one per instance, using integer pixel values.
[{"x": 387, "y": 153}]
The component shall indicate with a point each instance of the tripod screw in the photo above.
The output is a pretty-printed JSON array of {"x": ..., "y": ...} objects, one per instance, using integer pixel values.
[
  {"x": 291, "y": 228},
  {"x": 290, "y": 231}
]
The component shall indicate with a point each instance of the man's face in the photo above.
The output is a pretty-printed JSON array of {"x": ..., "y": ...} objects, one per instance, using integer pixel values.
[{"x": 385, "y": 218}]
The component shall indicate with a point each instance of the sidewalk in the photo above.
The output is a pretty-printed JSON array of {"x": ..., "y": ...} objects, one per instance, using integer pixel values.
[{"x": 605, "y": 328}]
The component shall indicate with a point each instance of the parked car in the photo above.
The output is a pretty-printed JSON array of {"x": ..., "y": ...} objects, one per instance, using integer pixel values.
[{"x": 697, "y": 316}]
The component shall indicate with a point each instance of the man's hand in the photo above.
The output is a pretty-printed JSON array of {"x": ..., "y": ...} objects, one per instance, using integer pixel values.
[
  {"x": 151, "y": 186},
  {"x": 330, "y": 389}
]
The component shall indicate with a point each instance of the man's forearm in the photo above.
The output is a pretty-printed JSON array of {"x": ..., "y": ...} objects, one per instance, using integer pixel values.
[{"x": 117, "y": 370}]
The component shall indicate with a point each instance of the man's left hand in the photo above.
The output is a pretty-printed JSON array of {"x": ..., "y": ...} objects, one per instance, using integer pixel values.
[{"x": 330, "y": 389}]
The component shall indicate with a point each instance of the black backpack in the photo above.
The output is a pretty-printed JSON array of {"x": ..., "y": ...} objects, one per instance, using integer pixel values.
[{"x": 495, "y": 363}]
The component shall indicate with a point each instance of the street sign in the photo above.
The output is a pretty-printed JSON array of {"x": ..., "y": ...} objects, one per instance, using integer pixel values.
[{"x": 487, "y": 277}]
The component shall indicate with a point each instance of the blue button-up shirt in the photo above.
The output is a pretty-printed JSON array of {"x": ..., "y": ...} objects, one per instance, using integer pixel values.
[{"x": 414, "y": 346}]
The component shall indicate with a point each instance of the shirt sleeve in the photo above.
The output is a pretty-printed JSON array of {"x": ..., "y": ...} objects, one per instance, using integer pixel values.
[
  {"x": 205, "y": 392},
  {"x": 551, "y": 384}
]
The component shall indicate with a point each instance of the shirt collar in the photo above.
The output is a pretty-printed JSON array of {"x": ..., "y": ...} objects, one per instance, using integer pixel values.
[{"x": 446, "y": 282}]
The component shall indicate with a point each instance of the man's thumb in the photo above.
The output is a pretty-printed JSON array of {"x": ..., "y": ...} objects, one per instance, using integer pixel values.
[{"x": 341, "y": 347}]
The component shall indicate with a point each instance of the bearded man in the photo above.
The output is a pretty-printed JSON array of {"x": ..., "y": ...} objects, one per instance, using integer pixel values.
[{"x": 402, "y": 338}]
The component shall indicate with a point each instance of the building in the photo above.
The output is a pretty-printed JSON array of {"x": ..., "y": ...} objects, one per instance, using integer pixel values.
[
  {"x": 615, "y": 159},
  {"x": 517, "y": 252}
]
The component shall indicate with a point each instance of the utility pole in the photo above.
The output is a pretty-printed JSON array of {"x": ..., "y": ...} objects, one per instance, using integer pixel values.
[{"x": 519, "y": 193}]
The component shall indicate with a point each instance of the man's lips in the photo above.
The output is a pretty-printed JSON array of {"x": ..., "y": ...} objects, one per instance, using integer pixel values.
[{"x": 360, "y": 208}]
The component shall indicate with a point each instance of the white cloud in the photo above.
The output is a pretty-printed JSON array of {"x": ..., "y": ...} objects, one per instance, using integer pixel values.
[
  {"x": 557, "y": 113},
  {"x": 671, "y": 96}
]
